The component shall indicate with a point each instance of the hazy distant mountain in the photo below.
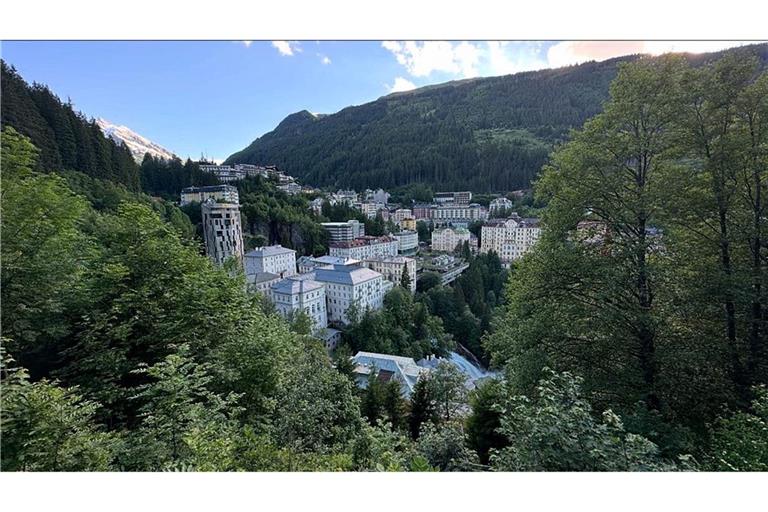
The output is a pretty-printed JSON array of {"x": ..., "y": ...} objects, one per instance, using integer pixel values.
[
  {"x": 482, "y": 134},
  {"x": 138, "y": 144}
]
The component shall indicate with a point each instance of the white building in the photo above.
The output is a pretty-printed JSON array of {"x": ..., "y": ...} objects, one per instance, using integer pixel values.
[
  {"x": 463, "y": 197},
  {"x": 290, "y": 188},
  {"x": 311, "y": 263},
  {"x": 381, "y": 196},
  {"x": 510, "y": 238},
  {"x": 371, "y": 209},
  {"x": 292, "y": 296},
  {"x": 458, "y": 213},
  {"x": 219, "y": 193},
  {"x": 446, "y": 239},
  {"x": 403, "y": 370},
  {"x": 350, "y": 284},
  {"x": 261, "y": 282},
  {"x": 274, "y": 259},
  {"x": 346, "y": 196},
  {"x": 500, "y": 204},
  {"x": 365, "y": 247},
  {"x": 344, "y": 231},
  {"x": 222, "y": 231},
  {"x": 391, "y": 267},
  {"x": 407, "y": 241},
  {"x": 400, "y": 214}
]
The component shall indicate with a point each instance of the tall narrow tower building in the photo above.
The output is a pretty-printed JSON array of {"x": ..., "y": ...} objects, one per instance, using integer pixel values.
[{"x": 223, "y": 231}]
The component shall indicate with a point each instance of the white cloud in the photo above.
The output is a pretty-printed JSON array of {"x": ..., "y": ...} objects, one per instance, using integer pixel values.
[
  {"x": 423, "y": 58},
  {"x": 401, "y": 85},
  {"x": 287, "y": 48},
  {"x": 247, "y": 43},
  {"x": 504, "y": 59},
  {"x": 324, "y": 59},
  {"x": 567, "y": 53}
]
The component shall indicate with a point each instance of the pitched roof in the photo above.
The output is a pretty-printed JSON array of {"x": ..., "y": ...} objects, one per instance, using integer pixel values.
[
  {"x": 268, "y": 250},
  {"x": 345, "y": 274},
  {"x": 291, "y": 286}
]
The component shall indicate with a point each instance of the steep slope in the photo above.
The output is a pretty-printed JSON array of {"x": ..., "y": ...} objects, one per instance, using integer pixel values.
[
  {"x": 481, "y": 134},
  {"x": 138, "y": 144},
  {"x": 67, "y": 140}
]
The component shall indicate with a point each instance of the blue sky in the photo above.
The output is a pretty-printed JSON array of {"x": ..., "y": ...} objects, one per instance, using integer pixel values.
[{"x": 215, "y": 97}]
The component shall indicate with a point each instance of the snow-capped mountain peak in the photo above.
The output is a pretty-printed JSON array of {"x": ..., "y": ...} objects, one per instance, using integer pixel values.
[{"x": 138, "y": 144}]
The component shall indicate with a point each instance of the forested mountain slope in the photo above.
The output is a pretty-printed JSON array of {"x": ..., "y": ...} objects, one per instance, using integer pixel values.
[
  {"x": 67, "y": 140},
  {"x": 484, "y": 134}
]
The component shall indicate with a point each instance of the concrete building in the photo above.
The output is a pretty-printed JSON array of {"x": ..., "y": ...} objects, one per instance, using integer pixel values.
[
  {"x": 344, "y": 231},
  {"x": 275, "y": 259},
  {"x": 365, "y": 247},
  {"x": 350, "y": 284},
  {"x": 290, "y": 188},
  {"x": 446, "y": 239},
  {"x": 463, "y": 197},
  {"x": 388, "y": 368},
  {"x": 291, "y": 296},
  {"x": 407, "y": 242},
  {"x": 391, "y": 267},
  {"x": 222, "y": 231},
  {"x": 510, "y": 238},
  {"x": 219, "y": 193},
  {"x": 458, "y": 214}
]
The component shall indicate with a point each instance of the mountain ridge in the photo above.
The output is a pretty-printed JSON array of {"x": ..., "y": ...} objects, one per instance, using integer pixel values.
[
  {"x": 137, "y": 143},
  {"x": 482, "y": 134}
]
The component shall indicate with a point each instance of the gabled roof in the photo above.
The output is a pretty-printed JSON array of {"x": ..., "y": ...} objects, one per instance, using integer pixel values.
[
  {"x": 295, "y": 286},
  {"x": 269, "y": 250},
  {"x": 345, "y": 274},
  {"x": 403, "y": 369}
]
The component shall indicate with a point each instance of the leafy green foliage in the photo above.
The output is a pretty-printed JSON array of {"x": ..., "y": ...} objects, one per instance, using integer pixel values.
[
  {"x": 740, "y": 442},
  {"x": 49, "y": 428},
  {"x": 402, "y": 327},
  {"x": 65, "y": 138},
  {"x": 555, "y": 430}
]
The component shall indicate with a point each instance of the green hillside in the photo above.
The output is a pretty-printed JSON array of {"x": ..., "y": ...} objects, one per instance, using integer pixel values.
[{"x": 484, "y": 134}]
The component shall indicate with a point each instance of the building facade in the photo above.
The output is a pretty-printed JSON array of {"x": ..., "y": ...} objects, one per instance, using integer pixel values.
[
  {"x": 458, "y": 214},
  {"x": 365, "y": 247},
  {"x": 510, "y": 238},
  {"x": 350, "y": 284},
  {"x": 219, "y": 193},
  {"x": 291, "y": 296},
  {"x": 222, "y": 231},
  {"x": 391, "y": 268},
  {"x": 407, "y": 242},
  {"x": 446, "y": 239},
  {"x": 344, "y": 231},
  {"x": 274, "y": 259},
  {"x": 400, "y": 214}
]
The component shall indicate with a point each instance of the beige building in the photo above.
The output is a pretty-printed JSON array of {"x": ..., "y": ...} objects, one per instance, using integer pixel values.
[
  {"x": 391, "y": 267},
  {"x": 446, "y": 239},
  {"x": 510, "y": 238}
]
